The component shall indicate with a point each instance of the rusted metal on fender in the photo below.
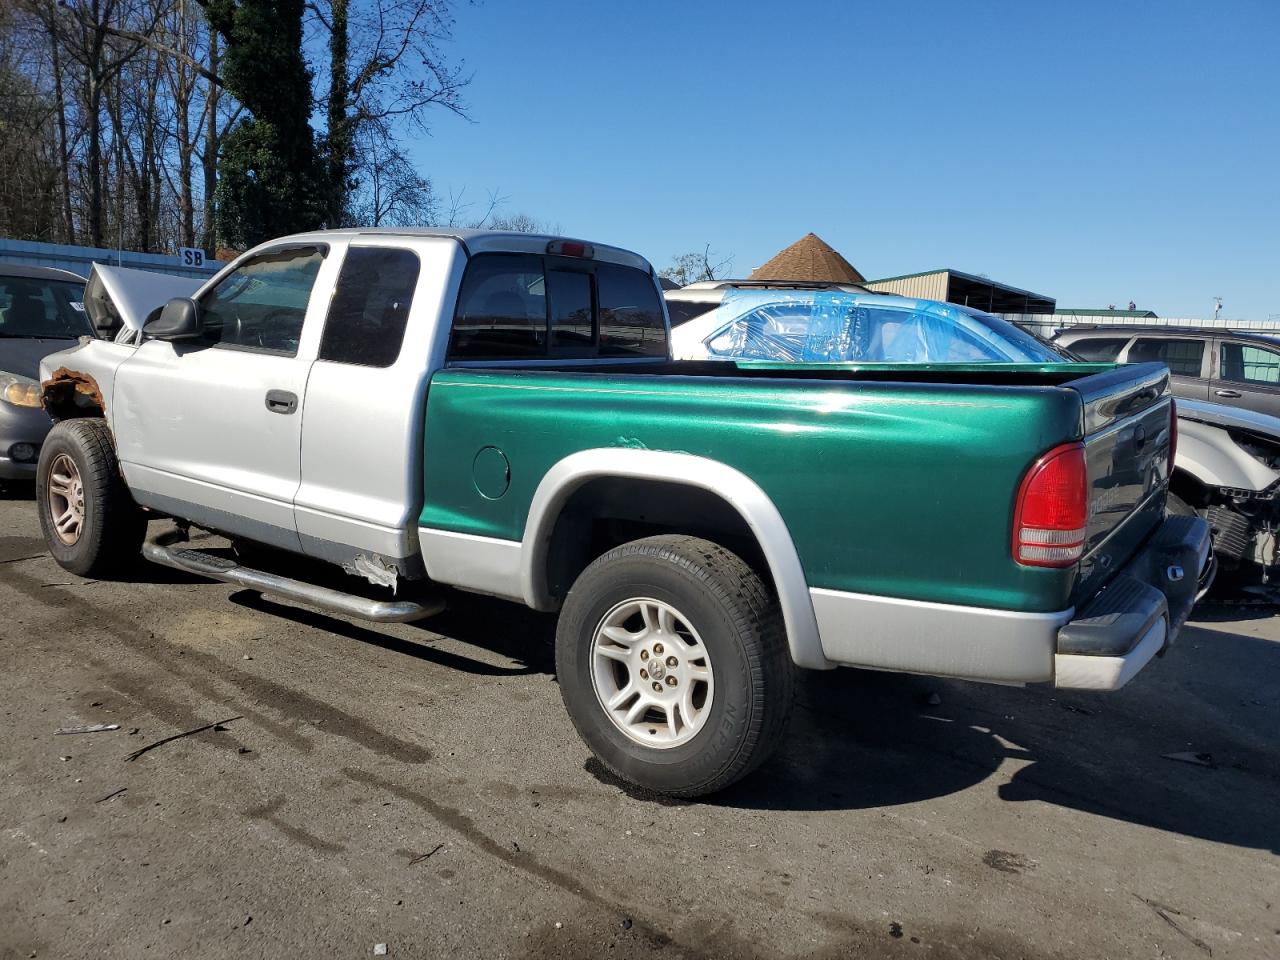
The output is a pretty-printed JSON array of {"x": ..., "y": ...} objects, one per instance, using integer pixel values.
[{"x": 64, "y": 387}]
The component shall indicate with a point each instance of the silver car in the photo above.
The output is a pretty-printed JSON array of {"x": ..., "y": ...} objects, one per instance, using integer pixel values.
[{"x": 41, "y": 312}]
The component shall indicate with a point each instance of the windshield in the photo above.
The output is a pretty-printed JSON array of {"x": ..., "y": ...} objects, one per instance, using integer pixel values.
[
  {"x": 31, "y": 309},
  {"x": 847, "y": 328}
]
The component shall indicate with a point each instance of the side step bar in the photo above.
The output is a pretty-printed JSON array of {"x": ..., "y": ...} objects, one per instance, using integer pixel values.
[{"x": 333, "y": 601}]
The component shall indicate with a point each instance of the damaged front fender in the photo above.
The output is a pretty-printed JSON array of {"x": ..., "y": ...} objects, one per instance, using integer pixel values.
[{"x": 68, "y": 393}]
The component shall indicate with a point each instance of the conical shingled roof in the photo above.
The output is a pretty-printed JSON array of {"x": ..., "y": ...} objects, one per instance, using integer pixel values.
[{"x": 809, "y": 258}]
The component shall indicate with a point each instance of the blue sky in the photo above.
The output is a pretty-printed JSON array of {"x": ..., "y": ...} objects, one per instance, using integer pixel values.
[{"x": 1092, "y": 151}]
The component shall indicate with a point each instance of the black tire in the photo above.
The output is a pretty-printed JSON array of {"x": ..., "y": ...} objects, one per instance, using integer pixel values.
[
  {"x": 728, "y": 606},
  {"x": 113, "y": 527},
  {"x": 1175, "y": 506}
]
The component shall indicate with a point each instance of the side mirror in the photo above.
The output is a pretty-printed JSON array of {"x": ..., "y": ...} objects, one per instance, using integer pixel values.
[{"x": 179, "y": 320}]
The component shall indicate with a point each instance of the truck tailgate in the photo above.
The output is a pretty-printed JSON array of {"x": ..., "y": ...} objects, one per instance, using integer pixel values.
[{"x": 1128, "y": 420}]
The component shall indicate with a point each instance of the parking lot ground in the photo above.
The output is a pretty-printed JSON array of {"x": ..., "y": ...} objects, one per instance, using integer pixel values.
[{"x": 422, "y": 787}]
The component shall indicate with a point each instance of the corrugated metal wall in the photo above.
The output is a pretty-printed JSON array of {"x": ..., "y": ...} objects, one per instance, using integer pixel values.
[
  {"x": 927, "y": 286},
  {"x": 79, "y": 259}
]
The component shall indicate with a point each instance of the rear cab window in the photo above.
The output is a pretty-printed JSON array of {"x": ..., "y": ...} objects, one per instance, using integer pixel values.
[{"x": 545, "y": 307}]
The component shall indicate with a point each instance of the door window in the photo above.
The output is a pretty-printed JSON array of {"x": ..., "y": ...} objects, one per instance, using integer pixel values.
[
  {"x": 1182, "y": 357},
  {"x": 261, "y": 305},
  {"x": 1248, "y": 364},
  {"x": 370, "y": 306},
  {"x": 682, "y": 311}
]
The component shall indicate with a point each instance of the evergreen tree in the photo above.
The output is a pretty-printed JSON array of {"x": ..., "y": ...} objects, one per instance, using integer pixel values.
[{"x": 269, "y": 181}]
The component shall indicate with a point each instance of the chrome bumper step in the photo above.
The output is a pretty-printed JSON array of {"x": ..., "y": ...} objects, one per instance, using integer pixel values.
[{"x": 309, "y": 594}]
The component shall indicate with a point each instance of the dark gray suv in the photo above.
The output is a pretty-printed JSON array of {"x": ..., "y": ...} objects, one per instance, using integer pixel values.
[{"x": 1225, "y": 366}]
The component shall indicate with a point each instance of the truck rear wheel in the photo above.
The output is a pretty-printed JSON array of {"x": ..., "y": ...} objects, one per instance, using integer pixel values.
[
  {"x": 673, "y": 665},
  {"x": 90, "y": 522}
]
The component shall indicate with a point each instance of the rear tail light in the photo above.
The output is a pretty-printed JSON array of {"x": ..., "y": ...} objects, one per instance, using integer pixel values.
[
  {"x": 1173, "y": 433},
  {"x": 1052, "y": 509}
]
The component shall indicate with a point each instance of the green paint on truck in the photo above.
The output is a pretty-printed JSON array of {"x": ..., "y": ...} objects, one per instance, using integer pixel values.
[{"x": 894, "y": 489}]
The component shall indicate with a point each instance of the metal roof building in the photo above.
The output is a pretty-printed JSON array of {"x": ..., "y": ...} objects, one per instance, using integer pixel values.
[
  {"x": 955, "y": 286},
  {"x": 1108, "y": 312}
]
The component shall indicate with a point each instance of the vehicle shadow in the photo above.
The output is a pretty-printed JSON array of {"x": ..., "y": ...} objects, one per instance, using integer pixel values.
[
  {"x": 863, "y": 739},
  {"x": 519, "y": 635},
  {"x": 17, "y": 490}
]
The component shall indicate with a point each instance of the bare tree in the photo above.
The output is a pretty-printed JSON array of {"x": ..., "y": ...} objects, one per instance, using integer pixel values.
[
  {"x": 390, "y": 191},
  {"x": 689, "y": 268},
  {"x": 387, "y": 72},
  {"x": 115, "y": 119},
  {"x": 521, "y": 223},
  {"x": 87, "y": 35}
]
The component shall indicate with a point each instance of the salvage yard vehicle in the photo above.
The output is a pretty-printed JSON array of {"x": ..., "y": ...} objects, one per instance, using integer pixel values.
[
  {"x": 1235, "y": 368},
  {"x": 41, "y": 311},
  {"x": 499, "y": 413},
  {"x": 823, "y": 325},
  {"x": 699, "y": 298},
  {"x": 1228, "y": 471}
]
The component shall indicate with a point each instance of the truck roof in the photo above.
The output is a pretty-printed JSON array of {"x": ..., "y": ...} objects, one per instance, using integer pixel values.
[{"x": 478, "y": 241}]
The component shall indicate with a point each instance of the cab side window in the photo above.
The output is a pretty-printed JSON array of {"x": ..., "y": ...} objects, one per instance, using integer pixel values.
[
  {"x": 1248, "y": 364},
  {"x": 262, "y": 304},
  {"x": 370, "y": 306}
]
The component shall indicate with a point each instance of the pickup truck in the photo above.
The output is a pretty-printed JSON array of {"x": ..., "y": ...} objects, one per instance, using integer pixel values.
[{"x": 498, "y": 413}]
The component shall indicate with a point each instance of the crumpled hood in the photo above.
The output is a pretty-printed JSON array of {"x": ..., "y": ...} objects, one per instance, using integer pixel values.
[
  {"x": 122, "y": 296},
  {"x": 22, "y": 356},
  {"x": 1221, "y": 415}
]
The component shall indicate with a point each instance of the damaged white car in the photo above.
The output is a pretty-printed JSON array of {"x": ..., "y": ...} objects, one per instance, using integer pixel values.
[{"x": 1228, "y": 471}]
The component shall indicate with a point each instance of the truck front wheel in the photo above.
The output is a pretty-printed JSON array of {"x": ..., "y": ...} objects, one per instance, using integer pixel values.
[
  {"x": 90, "y": 522},
  {"x": 673, "y": 665}
]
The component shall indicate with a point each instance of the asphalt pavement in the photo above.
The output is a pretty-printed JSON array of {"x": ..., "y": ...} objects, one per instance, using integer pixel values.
[{"x": 420, "y": 787}]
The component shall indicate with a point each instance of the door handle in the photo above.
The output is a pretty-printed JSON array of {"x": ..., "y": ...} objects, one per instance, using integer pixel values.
[
  {"x": 1229, "y": 394},
  {"x": 281, "y": 401}
]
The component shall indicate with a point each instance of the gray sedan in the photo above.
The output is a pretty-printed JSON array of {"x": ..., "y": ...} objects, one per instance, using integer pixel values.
[{"x": 41, "y": 312}]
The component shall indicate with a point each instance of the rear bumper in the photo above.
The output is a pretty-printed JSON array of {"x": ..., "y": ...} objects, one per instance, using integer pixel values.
[{"x": 1139, "y": 612}]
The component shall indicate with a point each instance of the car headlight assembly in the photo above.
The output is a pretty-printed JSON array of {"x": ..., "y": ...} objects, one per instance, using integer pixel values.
[{"x": 19, "y": 391}]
